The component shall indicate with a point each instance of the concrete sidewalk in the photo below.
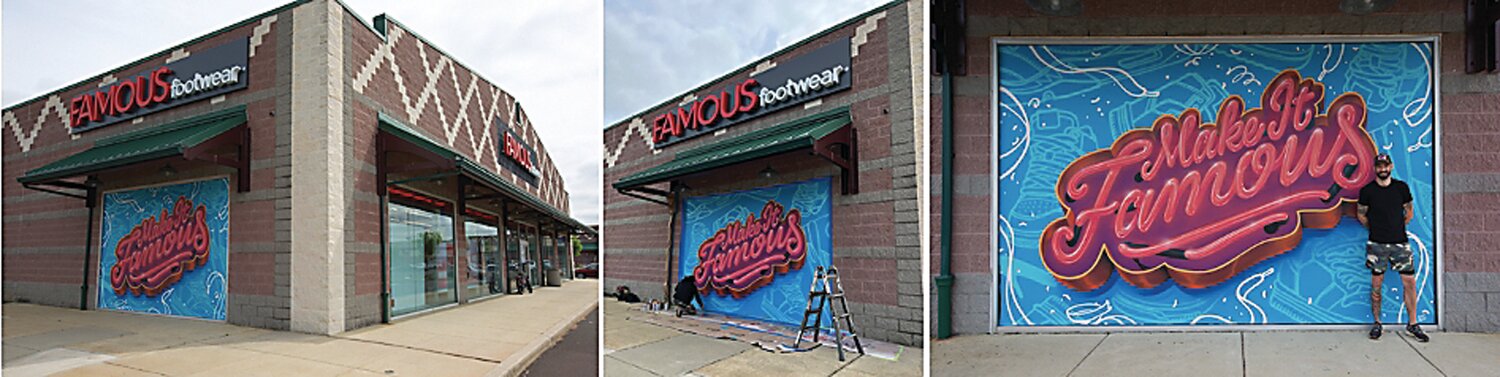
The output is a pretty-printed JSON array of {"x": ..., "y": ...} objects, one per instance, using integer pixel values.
[
  {"x": 1272, "y": 353},
  {"x": 492, "y": 337},
  {"x": 636, "y": 348}
]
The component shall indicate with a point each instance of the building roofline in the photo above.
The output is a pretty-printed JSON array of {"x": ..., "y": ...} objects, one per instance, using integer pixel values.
[{"x": 752, "y": 63}]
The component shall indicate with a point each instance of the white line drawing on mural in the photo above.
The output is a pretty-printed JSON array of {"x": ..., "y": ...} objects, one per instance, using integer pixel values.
[
  {"x": 133, "y": 204},
  {"x": 1140, "y": 91},
  {"x": 1242, "y": 294},
  {"x": 1244, "y": 77},
  {"x": 1421, "y": 104},
  {"x": 1336, "y": 62},
  {"x": 1210, "y": 316},
  {"x": 165, "y": 299},
  {"x": 1194, "y": 52},
  {"x": 216, "y": 296},
  {"x": 1023, "y": 144},
  {"x": 1008, "y": 235},
  {"x": 1095, "y": 313}
]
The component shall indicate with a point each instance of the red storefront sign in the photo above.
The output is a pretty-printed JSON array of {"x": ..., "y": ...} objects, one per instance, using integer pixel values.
[
  {"x": 817, "y": 73},
  {"x": 204, "y": 74},
  {"x": 518, "y": 152}
]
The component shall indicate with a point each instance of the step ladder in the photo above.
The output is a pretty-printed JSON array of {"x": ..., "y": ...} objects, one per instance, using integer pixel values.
[{"x": 826, "y": 286}]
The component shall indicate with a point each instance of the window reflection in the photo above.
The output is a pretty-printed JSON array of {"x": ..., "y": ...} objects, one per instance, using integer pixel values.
[
  {"x": 421, "y": 270},
  {"x": 482, "y": 273}
]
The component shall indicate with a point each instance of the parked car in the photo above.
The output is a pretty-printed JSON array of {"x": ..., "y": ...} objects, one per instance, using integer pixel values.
[{"x": 590, "y": 270}]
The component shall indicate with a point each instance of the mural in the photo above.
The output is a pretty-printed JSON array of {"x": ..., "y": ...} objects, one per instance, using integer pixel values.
[
  {"x": 1205, "y": 184},
  {"x": 752, "y": 252},
  {"x": 164, "y": 250}
]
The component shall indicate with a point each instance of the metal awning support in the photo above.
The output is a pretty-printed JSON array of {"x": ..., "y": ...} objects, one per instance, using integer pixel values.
[
  {"x": 846, "y": 156},
  {"x": 657, "y": 196},
  {"x": 239, "y": 138},
  {"x": 39, "y": 187}
]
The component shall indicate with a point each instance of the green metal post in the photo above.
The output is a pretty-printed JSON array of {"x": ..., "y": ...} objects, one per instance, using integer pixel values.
[{"x": 943, "y": 318}]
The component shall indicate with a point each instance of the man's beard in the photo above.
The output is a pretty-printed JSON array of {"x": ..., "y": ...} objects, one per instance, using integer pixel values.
[{"x": 1383, "y": 175}]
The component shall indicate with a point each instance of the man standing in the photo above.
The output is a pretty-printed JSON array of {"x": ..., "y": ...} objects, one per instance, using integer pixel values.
[{"x": 1385, "y": 208}]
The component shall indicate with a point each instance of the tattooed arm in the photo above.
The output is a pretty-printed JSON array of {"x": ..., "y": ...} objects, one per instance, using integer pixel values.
[
  {"x": 1361, "y": 215},
  {"x": 1408, "y": 212}
]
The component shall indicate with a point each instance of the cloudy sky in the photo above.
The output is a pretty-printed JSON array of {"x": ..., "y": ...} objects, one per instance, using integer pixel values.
[
  {"x": 654, "y": 50},
  {"x": 545, "y": 53}
]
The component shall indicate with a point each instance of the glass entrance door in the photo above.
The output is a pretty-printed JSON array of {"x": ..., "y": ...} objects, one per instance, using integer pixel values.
[
  {"x": 483, "y": 256},
  {"x": 422, "y": 273}
]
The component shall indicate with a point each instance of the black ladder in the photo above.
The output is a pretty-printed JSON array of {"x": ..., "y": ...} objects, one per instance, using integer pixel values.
[{"x": 831, "y": 288}]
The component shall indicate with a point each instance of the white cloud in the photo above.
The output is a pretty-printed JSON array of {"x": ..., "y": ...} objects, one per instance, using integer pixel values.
[
  {"x": 546, "y": 54},
  {"x": 660, "y": 49}
]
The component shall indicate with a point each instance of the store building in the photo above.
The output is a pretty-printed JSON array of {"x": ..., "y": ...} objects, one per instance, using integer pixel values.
[
  {"x": 802, "y": 159},
  {"x": 302, "y": 169},
  {"x": 1175, "y": 165}
]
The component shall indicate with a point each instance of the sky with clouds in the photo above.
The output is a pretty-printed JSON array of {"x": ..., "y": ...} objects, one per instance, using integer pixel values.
[
  {"x": 655, "y": 50},
  {"x": 545, "y": 53}
]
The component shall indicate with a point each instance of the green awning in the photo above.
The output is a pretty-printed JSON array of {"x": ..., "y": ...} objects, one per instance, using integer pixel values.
[
  {"x": 786, "y": 137},
  {"x": 394, "y": 127},
  {"x": 167, "y": 140},
  {"x": 472, "y": 169}
]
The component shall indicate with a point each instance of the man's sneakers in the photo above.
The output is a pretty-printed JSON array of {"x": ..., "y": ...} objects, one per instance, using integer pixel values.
[{"x": 1415, "y": 332}]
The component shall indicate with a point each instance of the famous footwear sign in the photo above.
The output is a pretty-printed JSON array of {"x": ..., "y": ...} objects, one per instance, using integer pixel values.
[
  {"x": 514, "y": 153},
  {"x": 818, "y": 73},
  {"x": 201, "y": 75}
]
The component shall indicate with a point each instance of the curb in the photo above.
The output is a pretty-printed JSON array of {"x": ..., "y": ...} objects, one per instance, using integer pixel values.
[{"x": 522, "y": 358}]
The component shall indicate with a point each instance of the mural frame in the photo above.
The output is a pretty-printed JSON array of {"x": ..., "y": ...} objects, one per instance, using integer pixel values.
[
  {"x": 790, "y": 281},
  {"x": 98, "y": 225},
  {"x": 993, "y": 161}
]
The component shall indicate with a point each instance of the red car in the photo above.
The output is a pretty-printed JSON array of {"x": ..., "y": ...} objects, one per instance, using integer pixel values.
[{"x": 590, "y": 270}]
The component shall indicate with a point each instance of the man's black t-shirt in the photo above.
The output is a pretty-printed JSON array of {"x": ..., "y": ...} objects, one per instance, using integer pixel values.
[{"x": 1386, "y": 214}]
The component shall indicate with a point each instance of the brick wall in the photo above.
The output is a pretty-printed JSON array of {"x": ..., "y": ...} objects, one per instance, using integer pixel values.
[
  {"x": 1470, "y": 118},
  {"x": 876, "y": 232},
  {"x": 44, "y": 233}
]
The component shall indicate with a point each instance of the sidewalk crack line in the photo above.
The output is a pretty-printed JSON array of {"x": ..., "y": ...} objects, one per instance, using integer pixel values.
[
  {"x": 1419, "y": 353},
  {"x": 1086, "y": 356}
]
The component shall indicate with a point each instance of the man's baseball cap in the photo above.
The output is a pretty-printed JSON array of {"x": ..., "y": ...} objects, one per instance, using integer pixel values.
[{"x": 1382, "y": 159}]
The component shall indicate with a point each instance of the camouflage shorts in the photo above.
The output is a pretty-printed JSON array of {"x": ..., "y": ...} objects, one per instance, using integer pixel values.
[{"x": 1397, "y": 256}]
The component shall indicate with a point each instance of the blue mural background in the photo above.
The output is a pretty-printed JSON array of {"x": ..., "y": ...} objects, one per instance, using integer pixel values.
[
  {"x": 1058, "y": 102},
  {"x": 785, "y": 298},
  {"x": 201, "y": 292}
]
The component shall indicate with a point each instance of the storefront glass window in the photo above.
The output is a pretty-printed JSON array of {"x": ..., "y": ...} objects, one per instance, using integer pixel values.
[
  {"x": 482, "y": 273},
  {"x": 512, "y": 256},
  {"x": 549, "y": 256},
  {"x": 534, "y": 248},
  {"x": 421, "y": 270}
]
